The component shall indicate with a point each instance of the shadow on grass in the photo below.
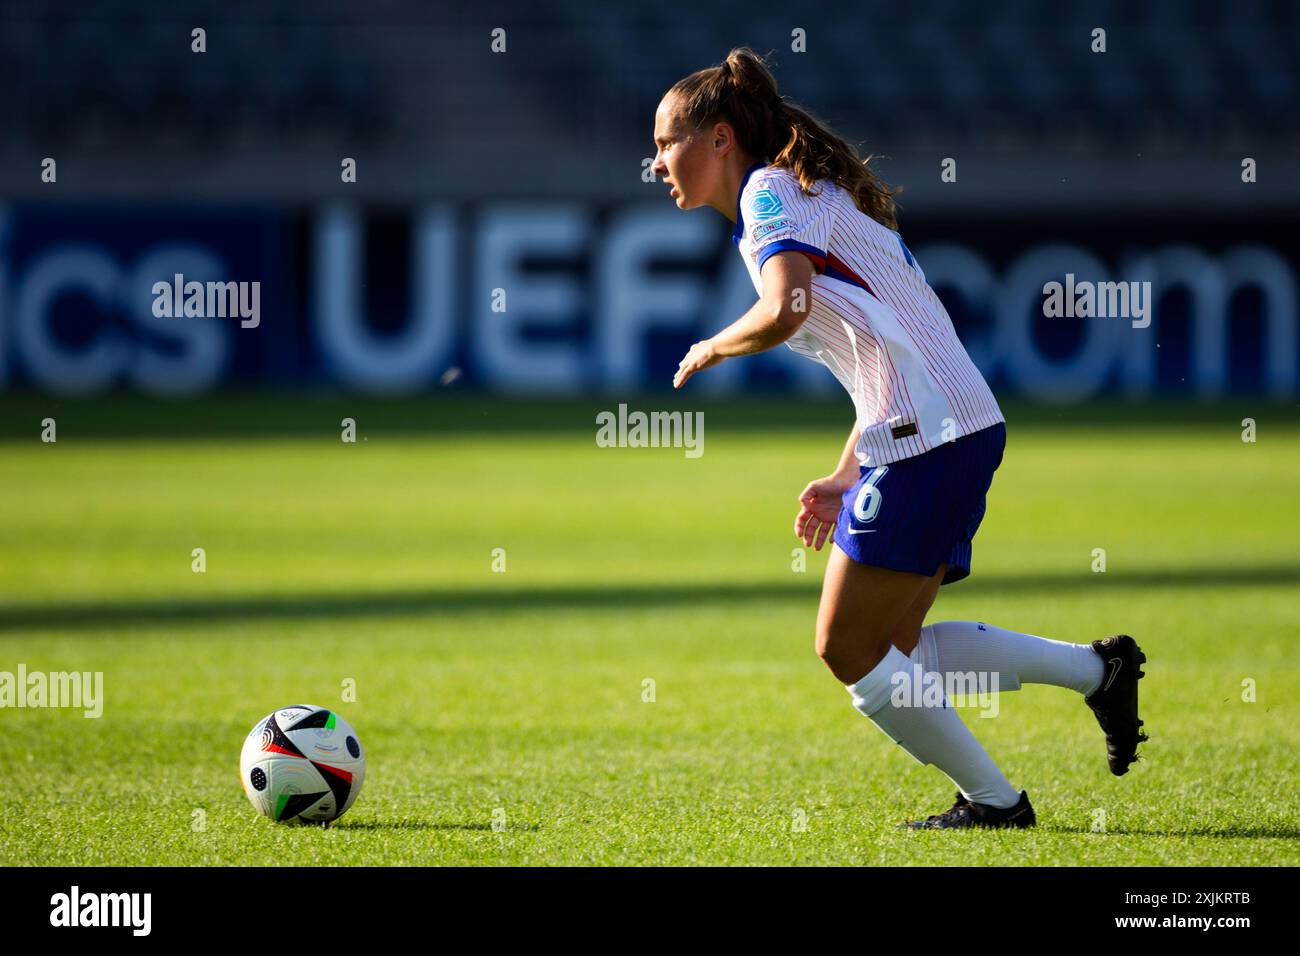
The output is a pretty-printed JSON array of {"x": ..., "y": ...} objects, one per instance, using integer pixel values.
[
  {"x": 398, "y": 604},
  {"x": 425, "y": 825},
  {"x": 1281, "y": 832},
  {"x": 445, "y": 413}
]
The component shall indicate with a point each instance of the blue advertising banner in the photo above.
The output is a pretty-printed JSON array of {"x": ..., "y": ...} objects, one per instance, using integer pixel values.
[{"x": 561, "y": 298}]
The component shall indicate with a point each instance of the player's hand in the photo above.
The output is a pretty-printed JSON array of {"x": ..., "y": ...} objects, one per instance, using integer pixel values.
[
  {"x": 700, "y": 356},
  {"x": 819, "y": 505}
]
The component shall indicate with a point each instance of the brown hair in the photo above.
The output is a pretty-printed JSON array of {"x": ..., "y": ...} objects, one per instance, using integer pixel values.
[{"x": 742, "y": 91}]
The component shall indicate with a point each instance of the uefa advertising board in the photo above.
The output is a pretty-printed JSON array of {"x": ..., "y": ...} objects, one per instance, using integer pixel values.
[{"x": 558, "y": 298}]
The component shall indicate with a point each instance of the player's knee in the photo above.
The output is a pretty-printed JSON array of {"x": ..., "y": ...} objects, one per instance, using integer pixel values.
[
  {"x": 828, "y": 643},
  {"x": 827, "y": 653},
  {"x": 842, "y": 667},
  {"x": 848, "y": 654}
]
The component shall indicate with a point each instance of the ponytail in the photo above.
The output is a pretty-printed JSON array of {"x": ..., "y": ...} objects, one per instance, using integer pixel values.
[{"x": 742, "y": 91}]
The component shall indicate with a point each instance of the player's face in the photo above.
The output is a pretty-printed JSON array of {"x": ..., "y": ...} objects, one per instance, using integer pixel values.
[{"x": 686, "y": 159}]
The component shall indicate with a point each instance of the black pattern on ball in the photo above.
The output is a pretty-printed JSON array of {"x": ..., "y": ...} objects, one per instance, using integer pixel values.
[
  {"x": 258, "y": 778},
  {"x": 354, "y": 748}
]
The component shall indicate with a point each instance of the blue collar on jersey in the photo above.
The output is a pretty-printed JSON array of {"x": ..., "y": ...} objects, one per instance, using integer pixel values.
[{"x": 739, "y": 231}]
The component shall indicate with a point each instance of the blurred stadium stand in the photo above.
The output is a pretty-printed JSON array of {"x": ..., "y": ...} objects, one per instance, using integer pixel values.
[{"x": 413, "y": 91}]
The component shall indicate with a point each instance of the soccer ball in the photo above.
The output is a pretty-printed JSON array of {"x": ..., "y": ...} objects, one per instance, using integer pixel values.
[{"x": 302, "y": 764}]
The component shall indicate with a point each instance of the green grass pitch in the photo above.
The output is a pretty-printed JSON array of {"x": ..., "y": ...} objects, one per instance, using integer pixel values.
[{"x": 517, "y": 697}]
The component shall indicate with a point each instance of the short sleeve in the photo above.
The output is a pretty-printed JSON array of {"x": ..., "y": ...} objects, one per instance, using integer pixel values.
[{"x": 780, "y": 217}]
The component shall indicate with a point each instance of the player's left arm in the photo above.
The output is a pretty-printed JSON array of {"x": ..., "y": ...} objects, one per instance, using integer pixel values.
[{"x": 778, "y": 313}]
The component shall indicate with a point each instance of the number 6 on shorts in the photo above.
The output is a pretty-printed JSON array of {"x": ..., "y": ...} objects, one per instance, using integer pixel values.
[{"x": 867, "y": 505}]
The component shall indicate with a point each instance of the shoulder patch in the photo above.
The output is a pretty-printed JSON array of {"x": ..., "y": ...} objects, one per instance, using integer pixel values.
[
  {"x": 766, "y": 205},
  {"x": 766, "y": 228}
]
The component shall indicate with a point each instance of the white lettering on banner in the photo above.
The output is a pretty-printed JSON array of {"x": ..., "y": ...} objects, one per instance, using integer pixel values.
[
  {"x": 1019, "y": 305},
  {"x": 632, "y": 301},
  {"x": 195, "y": 353},
  {"x": 362, "y": 358},
  {"x": 198, "y": 362},
  {"x": 61, "y": 271},
  {"x": 507, "y": 235},
  {"x": 652, "y": 273},
  {"x": 1210, "y": 283}
]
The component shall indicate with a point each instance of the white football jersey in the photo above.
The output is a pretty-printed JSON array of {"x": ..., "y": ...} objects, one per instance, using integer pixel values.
[{"x": 874, "y": 321}]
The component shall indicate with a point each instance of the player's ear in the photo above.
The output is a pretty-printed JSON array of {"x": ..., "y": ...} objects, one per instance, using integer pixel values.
[{"x": 722, "y": 137}]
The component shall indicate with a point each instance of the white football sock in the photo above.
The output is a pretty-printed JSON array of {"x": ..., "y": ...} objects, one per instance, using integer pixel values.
[
  {"x": 933, "y": 735},
  {"x": 969, "y": 646}
]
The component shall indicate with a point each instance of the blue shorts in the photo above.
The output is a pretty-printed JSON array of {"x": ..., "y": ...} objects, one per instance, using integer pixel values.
[{"x": 915, "y": 514}]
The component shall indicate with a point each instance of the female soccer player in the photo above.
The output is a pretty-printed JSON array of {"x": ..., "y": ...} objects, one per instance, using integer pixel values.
[{"x": 837, "y": 284}]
